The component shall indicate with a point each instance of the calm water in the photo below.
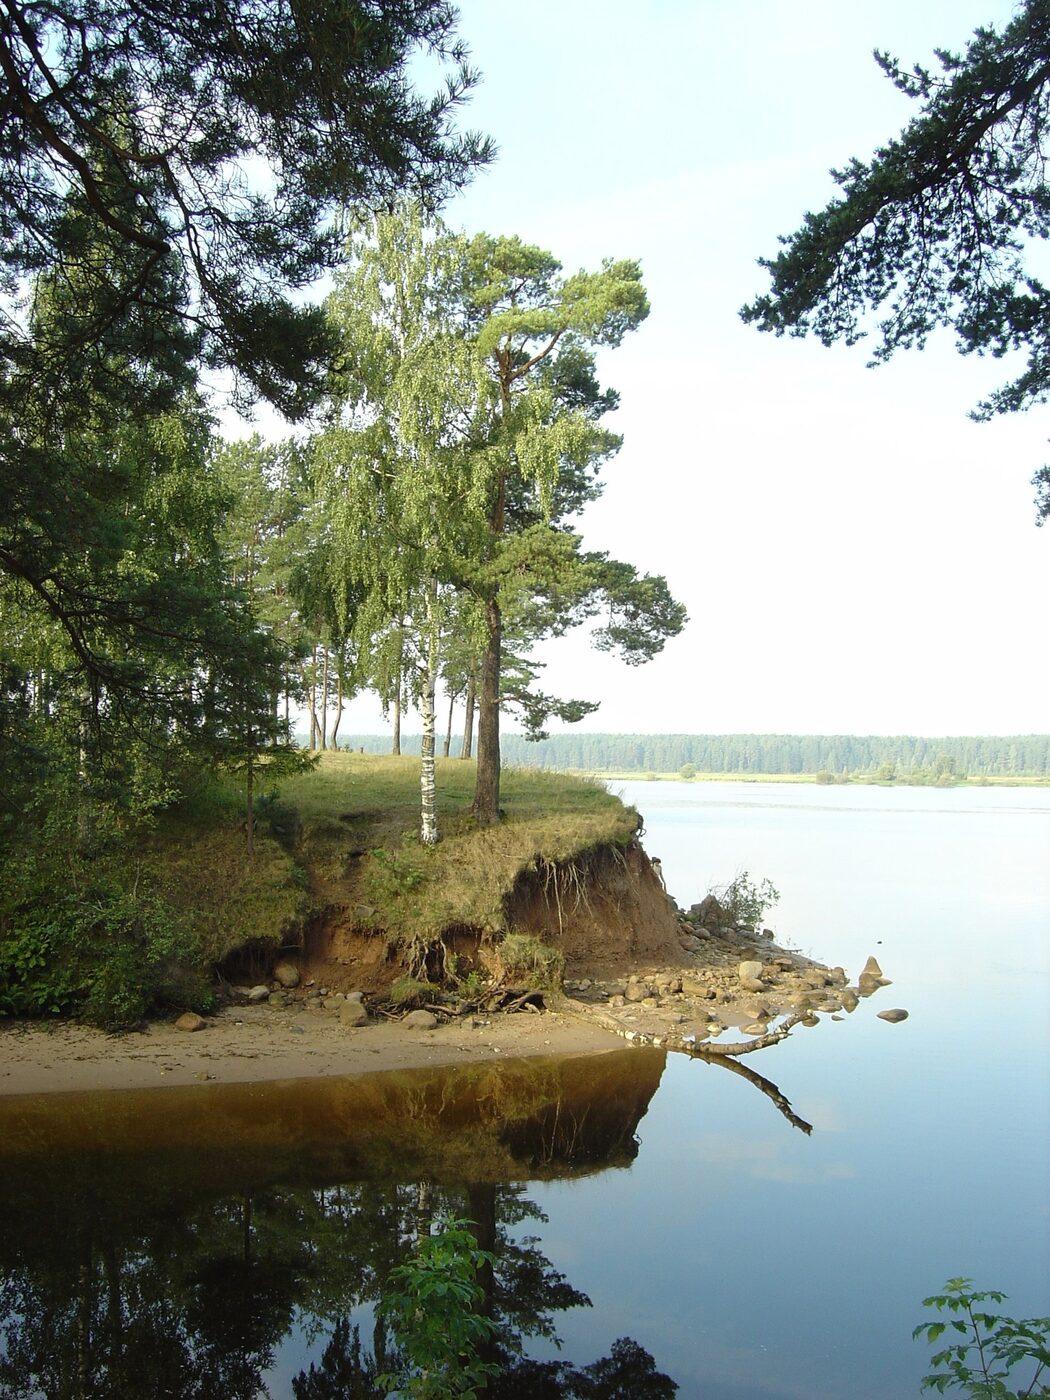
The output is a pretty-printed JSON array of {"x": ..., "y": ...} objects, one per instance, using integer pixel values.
[{"x": 205, "y": 1242}]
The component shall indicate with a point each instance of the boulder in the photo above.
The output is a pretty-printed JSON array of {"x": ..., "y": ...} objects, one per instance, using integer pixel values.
[
  {"x": 708, "y": 911},
  {"x": 258, "y": 993},
  {"x": 848, "y": 998},
  {"x": 287, "y": 974},
  {"x": 750, "y": 971},
  {"x": 752, "y": 984},
  {"x": 420, "y": 1021},
  {"x": 355, "y": 996},
  {"x": 894, "y": 1014},
  {"x": 637, "y": 991},
  {"x": 276, "y": 999},
  {"x": 352, "y": 1013},
  {"x": 871, "y": 969},
  {"x": 190, "y": 1021}
]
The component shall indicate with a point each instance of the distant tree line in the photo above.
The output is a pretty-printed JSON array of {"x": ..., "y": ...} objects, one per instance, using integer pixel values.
[{"x": 1018, "y": 755}]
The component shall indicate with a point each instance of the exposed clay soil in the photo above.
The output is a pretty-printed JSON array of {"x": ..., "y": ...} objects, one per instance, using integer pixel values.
[{"x": 635, "y": 966}]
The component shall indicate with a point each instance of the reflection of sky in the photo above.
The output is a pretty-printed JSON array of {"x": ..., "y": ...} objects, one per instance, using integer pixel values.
[{"x": 753, "y": 1261}]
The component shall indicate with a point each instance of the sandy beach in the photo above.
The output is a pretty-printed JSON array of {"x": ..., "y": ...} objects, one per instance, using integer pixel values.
[{"x": 252, "y": 1044}]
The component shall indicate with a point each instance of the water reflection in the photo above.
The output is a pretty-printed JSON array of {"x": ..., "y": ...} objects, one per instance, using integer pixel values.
[{"x": 176, "y": 1242}]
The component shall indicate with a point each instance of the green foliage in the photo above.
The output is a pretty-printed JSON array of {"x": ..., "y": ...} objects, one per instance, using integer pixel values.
[
  {"x": 990, "y": 1349},
  {"x": 102, "y": 951},
  {"x": 392, "y": 874},
  {"x": 528, "y": 960},
  {"x": 430, "y": 1305},
  {"x": 412, "y": 991},
  {"x": 938, "y": 228},
  {"x": 687, "y": 772},
  {"x": 745, "y": 901}
]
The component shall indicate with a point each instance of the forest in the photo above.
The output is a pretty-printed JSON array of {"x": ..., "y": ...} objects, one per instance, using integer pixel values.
[{"x": 885, "y": 757}]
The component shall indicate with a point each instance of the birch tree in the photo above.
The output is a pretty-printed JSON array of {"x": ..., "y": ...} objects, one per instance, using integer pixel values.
[{"x": 394, "y": 457}]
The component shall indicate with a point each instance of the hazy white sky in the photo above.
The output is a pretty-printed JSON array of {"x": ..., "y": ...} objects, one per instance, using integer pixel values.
[{"x": 855, "y": 554}]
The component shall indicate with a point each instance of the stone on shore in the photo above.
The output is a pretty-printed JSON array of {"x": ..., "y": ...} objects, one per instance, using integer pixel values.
[
  {"x": 190, "y": 1021},
  {"x": 258, "y": 993},
  {"x": 894, "y": 1014},
  {"x": 419, "y": 1020},
  {"x": 287, "y": 974},
  {"x": 352, "y": 1013}
]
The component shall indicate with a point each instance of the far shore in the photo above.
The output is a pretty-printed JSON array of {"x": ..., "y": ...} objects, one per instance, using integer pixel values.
[{"x": 849, "y": 780}]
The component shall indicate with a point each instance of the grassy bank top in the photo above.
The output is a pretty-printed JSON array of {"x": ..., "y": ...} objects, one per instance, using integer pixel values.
[
  {"x": 102, "y": 921},
  {"x": 358, "y": 825}
]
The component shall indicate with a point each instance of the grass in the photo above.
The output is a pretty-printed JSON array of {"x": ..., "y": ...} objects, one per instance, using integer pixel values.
[{"x": 359, "y": 816}]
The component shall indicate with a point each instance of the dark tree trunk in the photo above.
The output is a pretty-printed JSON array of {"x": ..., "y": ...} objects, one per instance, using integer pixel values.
[
  {"x": 468, "y": 724},
  {"x": 486, "y": 792},
  {"x": 448, "y": 728}
]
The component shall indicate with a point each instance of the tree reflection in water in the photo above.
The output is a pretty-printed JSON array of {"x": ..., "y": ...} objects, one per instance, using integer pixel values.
[{"x": 169, "y": 1243}]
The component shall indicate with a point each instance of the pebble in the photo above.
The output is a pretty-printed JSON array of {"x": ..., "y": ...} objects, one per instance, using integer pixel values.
[{"x": 894, "y": 1014}]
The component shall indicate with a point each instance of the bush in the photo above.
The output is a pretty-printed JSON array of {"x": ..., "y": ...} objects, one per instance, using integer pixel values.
[
  {"x": 102, "y": 952},
  {"x": 996, "y": 1345},
  {"x": 526, "y": 959},
  {"x": 743, "y": 901}
]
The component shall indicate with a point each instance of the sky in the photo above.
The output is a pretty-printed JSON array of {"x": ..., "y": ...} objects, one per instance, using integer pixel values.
[{"x": 855, "y": 554}]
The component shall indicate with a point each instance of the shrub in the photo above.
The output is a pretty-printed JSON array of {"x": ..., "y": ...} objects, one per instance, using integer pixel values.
[
  {"x": 996, "y": 1346},
  {"x": 744, "y": 901},
  {"x": 526, "y": 959},
  {"x": 431, "y": 1305}
]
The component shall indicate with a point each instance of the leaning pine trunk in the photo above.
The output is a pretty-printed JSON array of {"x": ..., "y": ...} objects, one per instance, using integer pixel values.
[
  {"x": 427, "y": 781},
  {"x": 486, "y": 791}
]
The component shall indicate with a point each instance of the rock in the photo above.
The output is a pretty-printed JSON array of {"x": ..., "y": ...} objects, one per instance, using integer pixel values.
[
  {"x": 276, "y": 998},
  {"x": 355, "y": 996},
  {"x": 893, "y": 1015},
  {"x": 298, "y": 1030},
  {"x": 757, "y": 1012},
  {"x": 829, "y": 1004},
  {"x": 258, "y": 993},
  {"x": 783, "y": 964},
  {"x": 420, "y": 1021},
  {"x": 190, "y": 1021},
  {"x": 708, "y": 911},
  {"x": 322, "y": 991},
  {"x": 352, "y": 1013},
  {"x": 755, "y": 1028},
  {"x": 750, "y": 971},
  {"x": 866, "y": 984},
  {"x": 871, "y": 969},
  {"x": 752, "y": 984},
  {"x": 814, "y": 977},
  {"x": 287, "y": 974},
  {"x": 848, "y": 998},
  {"x": 650, "y": 1001},
  {"x": 240, "y": 993},
  {"x": 637, "y": 991}
]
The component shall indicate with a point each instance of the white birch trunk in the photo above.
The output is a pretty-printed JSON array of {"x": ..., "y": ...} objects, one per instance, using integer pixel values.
[{"x": 427, "y": 779}]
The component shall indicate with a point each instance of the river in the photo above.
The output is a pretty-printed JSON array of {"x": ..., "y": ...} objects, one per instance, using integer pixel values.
[{"x": 210, "y": 1245}]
